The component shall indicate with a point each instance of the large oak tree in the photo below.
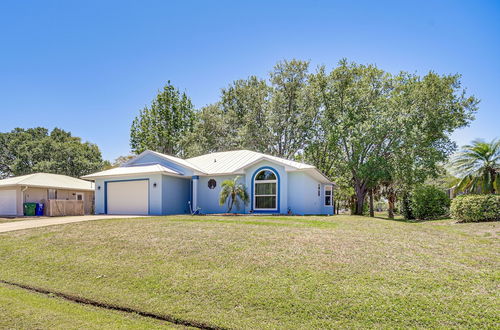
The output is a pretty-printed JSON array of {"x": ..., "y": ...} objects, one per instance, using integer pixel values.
[
  {"x": 26, "y": 151},
  {"x": 391, "y": 130}
]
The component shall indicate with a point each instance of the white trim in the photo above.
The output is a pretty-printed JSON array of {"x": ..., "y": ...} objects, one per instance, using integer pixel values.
[
  {"x": 331, "y": 195},
  {"x": 264, "y": 157},
  {"x": 133, "y": 174},
  {"x": 275, "y": 181}
]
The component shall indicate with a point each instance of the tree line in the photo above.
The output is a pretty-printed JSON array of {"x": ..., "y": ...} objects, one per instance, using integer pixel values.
[
  {"x": 26, "y": 151},
  {"x": 370, "y": 131}
]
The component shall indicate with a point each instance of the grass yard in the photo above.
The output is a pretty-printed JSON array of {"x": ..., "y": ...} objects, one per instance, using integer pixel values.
[
  {"x": 20, "y": 309},
  {"x": 263, "y": 272},
  {"x": 5, "y": 220}
]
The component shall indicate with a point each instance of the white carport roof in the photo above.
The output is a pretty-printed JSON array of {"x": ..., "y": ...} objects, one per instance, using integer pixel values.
[
  {"x": 48, "y": 180},
  {"x": 132, "y": 170}
]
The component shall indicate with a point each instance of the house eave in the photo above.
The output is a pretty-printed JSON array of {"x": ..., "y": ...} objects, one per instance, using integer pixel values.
[
  {"x": 45, "y": 186},
  {"x": 93, "y": 178}
]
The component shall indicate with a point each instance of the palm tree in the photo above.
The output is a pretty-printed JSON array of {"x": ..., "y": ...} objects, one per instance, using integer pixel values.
[
  {"x": 478, "y": 166},
  {"x": 234, "y": 193}
]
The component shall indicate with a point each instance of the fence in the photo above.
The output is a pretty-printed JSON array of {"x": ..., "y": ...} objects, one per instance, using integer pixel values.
[{"x": 58, "y": 208}]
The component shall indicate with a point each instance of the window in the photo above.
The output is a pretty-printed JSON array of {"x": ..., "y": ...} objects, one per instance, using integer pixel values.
[
  {"x": 51, "y": 194},
  {"x": 328, "y": 196},
  {"x": 265, "y": 191},
  {"x": 212, "y": 184},
  {"x": 79, "y": 196}
]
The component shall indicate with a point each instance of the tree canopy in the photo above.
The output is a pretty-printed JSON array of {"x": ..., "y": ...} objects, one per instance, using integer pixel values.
[
  {"x": 26, "y": 151},
  {"x": 276, "y": 116},
  {"x": 478, "y": 166},
  {"x": 164, "y": 125},
  {"x": 360, "y": 125},
  {"x": 386, "y": 129}
]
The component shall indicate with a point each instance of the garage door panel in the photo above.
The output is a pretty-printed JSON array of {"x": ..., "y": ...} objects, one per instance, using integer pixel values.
[
  {"x": 128, "y": 197},
  {"x": 8, "y": 202}
]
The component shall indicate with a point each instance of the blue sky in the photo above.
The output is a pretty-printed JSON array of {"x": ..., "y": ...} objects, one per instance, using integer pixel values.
[{"x": 89, "y": 66}]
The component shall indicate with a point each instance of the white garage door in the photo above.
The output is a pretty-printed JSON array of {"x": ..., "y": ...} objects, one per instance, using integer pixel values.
[
  {"x": 128, "y": 197},
  {"x": 8, "y": 202}
]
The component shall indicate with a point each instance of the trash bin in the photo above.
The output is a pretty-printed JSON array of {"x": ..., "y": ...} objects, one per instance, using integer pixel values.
[
  {"x": 39, "y": 210},
  {"x": 29, "y": 209}
]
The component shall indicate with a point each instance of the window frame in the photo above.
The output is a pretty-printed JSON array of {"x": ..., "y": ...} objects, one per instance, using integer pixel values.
[
  {"x": 209, "y": 185},
  {"x": 330, "y": 189},
  {"x": 276, "y": 195},
  {"x": 49, "y": 191}
]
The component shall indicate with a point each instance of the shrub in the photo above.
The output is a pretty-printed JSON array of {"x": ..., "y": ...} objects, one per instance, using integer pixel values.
[
  {"x": 405, "y": 205},
  {"x": 474, "y": 208},
  {"x": 429, "y": 202}
]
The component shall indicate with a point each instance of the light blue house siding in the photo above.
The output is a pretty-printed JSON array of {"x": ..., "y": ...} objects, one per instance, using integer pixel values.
[
  {"x": 208, "y": 199},
  {"x": 176, "y": 193},
  {"x": 297, "y": 191},
  {"x": 170, "y": 195},
  {"x": 311, "y": 199}
]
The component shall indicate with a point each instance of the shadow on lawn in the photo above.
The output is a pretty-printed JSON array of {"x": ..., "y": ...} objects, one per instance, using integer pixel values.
[
  {"x": 400, "y": 218},
  {"x": 265, "y": 221}
]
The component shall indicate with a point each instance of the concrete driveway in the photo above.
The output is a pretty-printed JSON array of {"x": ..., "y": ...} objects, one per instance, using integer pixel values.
[{"x": 27, "y": 224}]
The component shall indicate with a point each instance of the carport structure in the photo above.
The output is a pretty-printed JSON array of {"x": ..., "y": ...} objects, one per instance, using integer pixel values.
[{"x": 41, "y": 187}]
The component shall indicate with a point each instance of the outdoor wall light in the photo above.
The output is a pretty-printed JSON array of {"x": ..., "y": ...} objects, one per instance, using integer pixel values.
[
  {"x": 98, "y": 187},
  {"x": 154, "y": 184}
]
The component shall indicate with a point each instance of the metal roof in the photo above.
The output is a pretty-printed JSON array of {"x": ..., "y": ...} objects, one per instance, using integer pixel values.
[
  {"x": 128, "y": 170},
  {"x": 177, "y": 160},
  {"x": 48, "y": 180},
  {"x": 218, "y": 163},
  {"x": 229, "y": 162}
]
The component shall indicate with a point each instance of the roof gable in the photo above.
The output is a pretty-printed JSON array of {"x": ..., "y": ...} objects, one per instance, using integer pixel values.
[
  {"x": 149, "y": 157},
  {"x": 133, "y": 170}
]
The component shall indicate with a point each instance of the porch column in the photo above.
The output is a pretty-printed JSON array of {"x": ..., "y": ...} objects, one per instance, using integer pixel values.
[{"x": 195, "y": 192}]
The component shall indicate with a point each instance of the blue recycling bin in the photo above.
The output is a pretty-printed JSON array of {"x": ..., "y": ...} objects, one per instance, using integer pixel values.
[{"x": 39, "y": 209}]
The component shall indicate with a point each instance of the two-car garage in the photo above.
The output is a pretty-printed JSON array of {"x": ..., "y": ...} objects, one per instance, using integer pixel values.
[{"x": 127, "y": 197}]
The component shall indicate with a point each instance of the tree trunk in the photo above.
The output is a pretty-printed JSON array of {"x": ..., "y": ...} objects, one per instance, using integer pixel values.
[
  {"x": 352, "y": 204},
  {"x": 372, "y": 212},
  {"x": 360, "y": 189},
  {"x": 391, "y": 199},
  {"x": 231, "y": 205}
]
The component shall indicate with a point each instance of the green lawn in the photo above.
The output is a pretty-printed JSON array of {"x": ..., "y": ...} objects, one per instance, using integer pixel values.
[
  {"x": 269, "y": 272},
  {"x": 20, "y": 309},
  {"x": 5, "y": 220}
]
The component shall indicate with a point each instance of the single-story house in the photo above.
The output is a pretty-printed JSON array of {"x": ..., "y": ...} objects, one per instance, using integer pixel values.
[
  {"x": 157, "y": 184},
  {"x": 39, "y": 188}
]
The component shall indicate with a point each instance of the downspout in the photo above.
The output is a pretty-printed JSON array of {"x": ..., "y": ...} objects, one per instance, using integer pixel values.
[
  {"x": 22, "y": 191},
  {"x": 24, "y": 198}
]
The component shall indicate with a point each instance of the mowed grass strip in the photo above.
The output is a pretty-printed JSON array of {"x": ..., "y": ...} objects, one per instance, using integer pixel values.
[
  {"x": 8, "y": 220},
  {"x": 21, "y": 309},
  {"x": 271, "y": 272}
]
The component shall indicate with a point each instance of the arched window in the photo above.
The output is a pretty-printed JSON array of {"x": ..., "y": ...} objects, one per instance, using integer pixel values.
[{"x": 265, "y": 191}]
